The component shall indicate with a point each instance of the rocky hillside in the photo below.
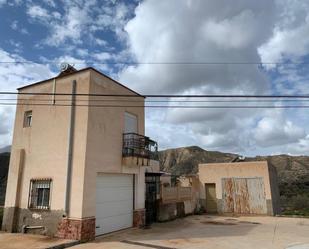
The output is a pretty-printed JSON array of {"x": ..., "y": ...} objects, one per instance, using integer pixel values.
[
  {"x": 293, "y": 171},
  {"x": 4, "y": 166},
  {"x": 185, "y": 160}
]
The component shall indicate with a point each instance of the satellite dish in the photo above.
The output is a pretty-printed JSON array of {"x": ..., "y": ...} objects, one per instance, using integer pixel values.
[{"x": 64, "y": 66}]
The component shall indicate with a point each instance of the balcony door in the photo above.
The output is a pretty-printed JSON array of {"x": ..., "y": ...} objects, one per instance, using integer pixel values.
[{"x": 130, "y": 125}]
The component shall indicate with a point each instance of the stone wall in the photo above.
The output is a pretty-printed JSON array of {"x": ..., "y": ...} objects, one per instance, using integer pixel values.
[
  {"x": 77, "y": 229},
  {"x": 48, "y": 222},
  {"x": 139, "y": 218}
]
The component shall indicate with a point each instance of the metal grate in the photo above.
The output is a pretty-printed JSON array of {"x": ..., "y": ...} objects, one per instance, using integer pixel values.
[
  {"x": 139, "y": 146},
  {"x": 39, "y": 195}
]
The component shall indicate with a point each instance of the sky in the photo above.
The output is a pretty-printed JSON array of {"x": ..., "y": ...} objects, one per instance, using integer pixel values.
[{"x": 101, "y": 32}]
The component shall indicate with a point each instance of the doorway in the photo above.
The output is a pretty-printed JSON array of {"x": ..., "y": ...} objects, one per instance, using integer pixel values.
[
  {"x": 211, "y": 199},
  {"x": 152, "y": 182}
]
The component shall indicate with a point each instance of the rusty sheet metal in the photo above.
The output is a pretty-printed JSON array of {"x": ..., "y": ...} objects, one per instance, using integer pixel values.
[
  {"x": 228, "y": 195},
  {"x": 243, "y": 196},
  {"x": 257, "y": 196}
]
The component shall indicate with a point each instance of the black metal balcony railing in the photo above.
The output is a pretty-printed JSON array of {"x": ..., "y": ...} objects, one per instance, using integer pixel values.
[{"x": 139, "y": 146}]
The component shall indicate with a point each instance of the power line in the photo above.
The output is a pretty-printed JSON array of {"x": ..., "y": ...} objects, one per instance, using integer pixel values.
[
  {"x": 159, "y": 95},
  {"x": 158, "y": 63},
  {"x": 169, "y": 107},
  {"x": 162, "y": 101}
]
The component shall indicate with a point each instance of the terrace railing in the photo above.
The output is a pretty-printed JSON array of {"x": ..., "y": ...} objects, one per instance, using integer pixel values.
[{"x": 137, "y": 145}]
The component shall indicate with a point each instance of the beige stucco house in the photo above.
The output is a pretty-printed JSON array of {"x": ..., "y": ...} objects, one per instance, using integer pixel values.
[
  {"x": 239, "y": 188},
  {"x": 78, "y": 158}
]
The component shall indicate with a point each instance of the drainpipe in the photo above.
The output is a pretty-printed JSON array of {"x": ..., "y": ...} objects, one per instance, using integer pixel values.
[
  {"x": 54, "y": 91},
  {"x": 70, "y": 149}
]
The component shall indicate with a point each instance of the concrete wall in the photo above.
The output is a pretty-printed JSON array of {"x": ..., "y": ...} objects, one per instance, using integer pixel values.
[
  {"x": 45, "y": 146},
  {"x": 41, "y": 151},
  {"x": 214, "y": 172},
  {"x": 104, "y": 140}
]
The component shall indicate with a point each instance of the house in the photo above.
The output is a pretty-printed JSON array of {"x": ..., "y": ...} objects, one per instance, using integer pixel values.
[
  {"x": 79, "y": 157},
  {"x": 239, "y": 188}
]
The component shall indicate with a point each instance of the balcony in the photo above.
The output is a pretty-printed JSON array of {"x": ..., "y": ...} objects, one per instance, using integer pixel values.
[{"x": 139, "y": 150}]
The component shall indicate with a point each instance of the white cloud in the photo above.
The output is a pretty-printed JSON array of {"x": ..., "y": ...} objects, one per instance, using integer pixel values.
[
  {"x": 50, "y": 3},
  {"x": 36, "y": 11},
  {"x": 80, "y": 20},
  {"x": 209, "y": 31},
  {"x": 203, "y": 32},
  {"x": 13, "y": 76},
  {"x": 290, "y": 34},
  {"x": 276, "y": 130},
  {"x": 15, "y": 26},
  {"x": 102, "y": 56},
  {"x": 10, "y": 2}
]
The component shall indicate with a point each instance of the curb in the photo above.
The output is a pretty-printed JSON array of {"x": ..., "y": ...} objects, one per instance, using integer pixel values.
[{"x": 64, "y": 245}]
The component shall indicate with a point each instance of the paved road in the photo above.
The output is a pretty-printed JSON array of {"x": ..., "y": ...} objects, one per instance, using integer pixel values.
[
  {"x": 21, "y": 241},
  {"x": 203, "y": 232}
]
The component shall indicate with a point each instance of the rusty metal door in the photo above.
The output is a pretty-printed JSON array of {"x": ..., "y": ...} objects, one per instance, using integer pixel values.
[
  {"x": 243, "y": 196},
  {"x": 228, "y": 195},
  {"x": 257, "y": 196},
  {"x": 211, "y": 198}
]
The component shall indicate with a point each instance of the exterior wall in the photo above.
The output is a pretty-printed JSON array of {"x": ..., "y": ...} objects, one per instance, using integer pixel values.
[
  {"x": 45, "y": 146},
  {"x": 192, "y": 181},
  {"x": 41, "y": 151},
  {"x": 166, "y": 180},
  {"x": 214, "y": 172},
  {"x": 104, "y": 141}
]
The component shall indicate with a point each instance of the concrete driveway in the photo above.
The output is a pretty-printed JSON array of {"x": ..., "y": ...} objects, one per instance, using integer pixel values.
[
  {"x": 197, "y": 232},
  {"x": 21, "y": 241}
]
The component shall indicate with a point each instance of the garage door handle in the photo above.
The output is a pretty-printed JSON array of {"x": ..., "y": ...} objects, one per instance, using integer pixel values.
[{"x": 97, "y": 227}]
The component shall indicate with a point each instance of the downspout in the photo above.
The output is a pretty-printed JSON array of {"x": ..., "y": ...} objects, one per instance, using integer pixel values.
[
  {"x": 70, "y": 149},
  {"x": 54, "y": 91}
]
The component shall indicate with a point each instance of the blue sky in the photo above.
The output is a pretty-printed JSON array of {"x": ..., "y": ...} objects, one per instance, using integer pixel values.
[{"x": 98, "y": 32}]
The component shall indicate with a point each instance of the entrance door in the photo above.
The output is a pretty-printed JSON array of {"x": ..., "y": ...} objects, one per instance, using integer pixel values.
[
  {"x": 114, "y": 202},
  {"x": 151, "y": 181},
  {"x": 211, "y": 199}
]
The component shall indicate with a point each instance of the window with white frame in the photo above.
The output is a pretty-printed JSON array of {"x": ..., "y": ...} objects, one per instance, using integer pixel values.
[
  {"x": 28, "y": 119},
  {"x": 130, "y": 124},
  {"x": 39, "y": 196}
]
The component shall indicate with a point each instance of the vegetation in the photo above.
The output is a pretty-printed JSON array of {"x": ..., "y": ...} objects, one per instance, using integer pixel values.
[
  {"x": 1, "y": 216},
  {"x": 295, "y": 198}
]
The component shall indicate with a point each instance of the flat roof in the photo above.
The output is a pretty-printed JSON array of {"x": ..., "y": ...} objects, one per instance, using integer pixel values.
[{"x": 78, "y": 71}]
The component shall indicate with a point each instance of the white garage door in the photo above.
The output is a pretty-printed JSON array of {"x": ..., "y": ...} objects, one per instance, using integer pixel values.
[{"x": 114, "y": 202}]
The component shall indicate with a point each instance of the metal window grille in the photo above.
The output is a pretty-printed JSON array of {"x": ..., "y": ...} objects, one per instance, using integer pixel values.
[{"x": 39, "y": 197}]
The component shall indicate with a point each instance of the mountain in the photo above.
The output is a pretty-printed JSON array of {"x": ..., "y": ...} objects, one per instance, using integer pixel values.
[
  {"x": 292, "y": 171},
  {"x": 5, "y": 149},
  {"x": 4, "y": 167},
  {"x": 185, "y": 160}
]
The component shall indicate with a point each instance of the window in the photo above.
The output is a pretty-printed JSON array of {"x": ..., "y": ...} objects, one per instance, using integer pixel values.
[
  {"x": 28, "y": 119},
  {"x": 130, "y": 124},
  {"x": 39, "y": 196}
]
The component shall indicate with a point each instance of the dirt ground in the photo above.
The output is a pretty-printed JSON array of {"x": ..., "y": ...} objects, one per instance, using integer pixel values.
[
  {"x": 197, "y": 232},
  {"x": 21, "y": 241}
]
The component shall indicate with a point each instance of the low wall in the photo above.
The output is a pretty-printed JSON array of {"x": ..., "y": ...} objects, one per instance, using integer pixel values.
[
  {"x": 14, "y": 219},
  {"x": 48, "y": 222},
  {"x": 171, "y": 211}
]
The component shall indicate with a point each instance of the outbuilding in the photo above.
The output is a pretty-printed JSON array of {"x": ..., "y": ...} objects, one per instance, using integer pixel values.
[{"x": 239, "y": 188}]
